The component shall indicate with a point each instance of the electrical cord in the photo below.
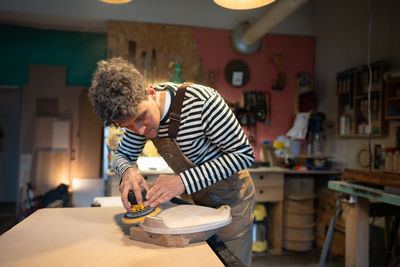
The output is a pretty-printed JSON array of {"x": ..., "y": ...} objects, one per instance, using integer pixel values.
[
  {"x": 369, "y": 80},
  {"x": 327, "y": 248},
  {"x": 329, "y": 235}
]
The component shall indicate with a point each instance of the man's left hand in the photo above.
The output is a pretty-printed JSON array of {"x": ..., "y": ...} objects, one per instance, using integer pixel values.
[{"x": 164, "y": 189}]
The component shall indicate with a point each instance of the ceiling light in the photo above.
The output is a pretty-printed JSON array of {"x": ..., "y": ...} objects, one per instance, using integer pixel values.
[
  {"x": 116, "y": 1},
  {"x": 242, "y": 4}
]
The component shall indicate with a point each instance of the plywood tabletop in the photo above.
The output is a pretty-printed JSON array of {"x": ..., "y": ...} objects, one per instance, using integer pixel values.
[{"x": 90, "y": 237}]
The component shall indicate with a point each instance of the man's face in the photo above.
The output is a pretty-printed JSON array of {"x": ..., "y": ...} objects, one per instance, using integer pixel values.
[{"x": 147, "y": 119}]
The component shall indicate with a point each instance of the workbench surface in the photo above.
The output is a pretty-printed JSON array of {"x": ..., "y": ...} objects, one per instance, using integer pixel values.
[{"x": 90, "y": 237}]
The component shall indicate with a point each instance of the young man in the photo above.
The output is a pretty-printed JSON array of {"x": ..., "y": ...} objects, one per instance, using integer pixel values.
[{"x": 196, "y": 133}]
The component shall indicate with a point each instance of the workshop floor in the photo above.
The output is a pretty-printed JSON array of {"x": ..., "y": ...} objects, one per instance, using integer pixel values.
[{"x": 292, "y": 259}]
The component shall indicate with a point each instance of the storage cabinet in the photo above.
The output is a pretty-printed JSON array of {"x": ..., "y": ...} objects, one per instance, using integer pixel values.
[
  {"x": 352, "y": 91},
  {"x": 392, "y": 98},
  {"x": 269, "y": 186}
]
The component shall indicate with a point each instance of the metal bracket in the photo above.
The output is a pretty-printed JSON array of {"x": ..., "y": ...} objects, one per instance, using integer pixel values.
[{"x": 349, "y": 199}]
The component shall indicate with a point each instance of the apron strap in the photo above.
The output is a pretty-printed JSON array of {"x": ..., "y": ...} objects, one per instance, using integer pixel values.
[{"x": 175, "y": 114}]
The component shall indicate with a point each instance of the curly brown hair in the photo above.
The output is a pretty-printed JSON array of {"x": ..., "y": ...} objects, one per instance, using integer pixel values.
[{"x": 117, "y": 89}]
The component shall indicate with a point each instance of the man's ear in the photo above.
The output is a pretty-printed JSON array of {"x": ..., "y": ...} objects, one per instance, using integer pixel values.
[{"x": 150, "y": 91}]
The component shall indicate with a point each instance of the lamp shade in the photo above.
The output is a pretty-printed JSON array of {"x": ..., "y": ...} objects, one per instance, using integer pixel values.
[
  {"x": 116, "y": 1},
  {"x": 242, "y": 4}
]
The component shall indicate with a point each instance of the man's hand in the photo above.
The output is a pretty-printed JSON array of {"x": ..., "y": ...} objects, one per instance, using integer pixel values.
[
  {"x": 132, "y": 180},
  {"x": 163, "y": 189}
]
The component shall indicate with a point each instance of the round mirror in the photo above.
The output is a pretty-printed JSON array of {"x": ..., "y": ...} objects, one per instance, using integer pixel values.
[{"x": 237, "y": 73}]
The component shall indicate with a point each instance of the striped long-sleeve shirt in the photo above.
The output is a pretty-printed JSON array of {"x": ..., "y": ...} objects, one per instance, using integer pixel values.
[{"x": 209, "y": 135}]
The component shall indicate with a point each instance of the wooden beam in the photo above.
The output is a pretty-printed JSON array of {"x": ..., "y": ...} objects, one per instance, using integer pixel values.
[{"x": 357, "y": 233}]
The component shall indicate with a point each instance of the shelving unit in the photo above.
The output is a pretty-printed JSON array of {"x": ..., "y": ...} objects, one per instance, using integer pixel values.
[
  {"x": 352, "y": 90},
  {"x": 392, "y": 98}
]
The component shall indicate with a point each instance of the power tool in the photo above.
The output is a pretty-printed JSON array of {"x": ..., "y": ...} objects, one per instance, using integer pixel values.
[{"x": 138, "y": 211}]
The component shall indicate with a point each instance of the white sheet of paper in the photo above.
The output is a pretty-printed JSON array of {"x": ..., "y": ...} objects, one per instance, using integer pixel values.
[{"x": 299, "y": 129}]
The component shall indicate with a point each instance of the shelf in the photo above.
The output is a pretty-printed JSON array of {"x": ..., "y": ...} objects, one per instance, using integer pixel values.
[
  {"x": 365, "y": 95},
  {"x": 359, "y": 136},
  {"x": 314, "y": 157},
  {"x": 392, "y": 117},
  {"x": 352, "y": 102},
  {"x": 392, "y": 103}
]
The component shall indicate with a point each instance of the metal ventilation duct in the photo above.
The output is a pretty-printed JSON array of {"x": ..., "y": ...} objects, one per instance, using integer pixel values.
[{"x": 246, "y": 38}]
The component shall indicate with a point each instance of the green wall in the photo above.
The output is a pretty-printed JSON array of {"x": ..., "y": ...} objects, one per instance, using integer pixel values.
[{"x": 21, "y": 46}]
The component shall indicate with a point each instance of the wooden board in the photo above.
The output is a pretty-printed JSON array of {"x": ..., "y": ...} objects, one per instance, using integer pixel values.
[
  {"x": 379, "y": 178},
  {"x": 43, "y": 132},
  {"x": 90, "y": 237},
  {"x": 52, "y": 169},
  {"x": 90, "y": 142},
  {"x": 185, "y": 219},
  {"x": 61, "y": 136},
  {"x": 179, "y": 225},
  {"x": 167, "y": 240}
]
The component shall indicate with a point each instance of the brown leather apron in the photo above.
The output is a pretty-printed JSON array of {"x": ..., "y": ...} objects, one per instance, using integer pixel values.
[{"x": 237, "y": 191}]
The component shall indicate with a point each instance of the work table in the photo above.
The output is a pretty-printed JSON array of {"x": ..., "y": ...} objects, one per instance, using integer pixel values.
[
  {"x": 269, "y": 185},
  {"x": 90, "y": 237},
  {"x": 252, "y": 170},
  {"x": 290, "y": 171}
]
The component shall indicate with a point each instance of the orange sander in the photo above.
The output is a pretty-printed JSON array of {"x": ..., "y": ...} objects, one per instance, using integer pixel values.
[{"x": 138, "y": 211}]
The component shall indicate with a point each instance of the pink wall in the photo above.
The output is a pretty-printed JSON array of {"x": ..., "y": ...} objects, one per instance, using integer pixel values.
[{"x": 298, "y": 53}]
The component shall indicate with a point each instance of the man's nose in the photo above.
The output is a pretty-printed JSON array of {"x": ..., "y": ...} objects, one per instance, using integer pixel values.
[{"x": 141, "y": 130}]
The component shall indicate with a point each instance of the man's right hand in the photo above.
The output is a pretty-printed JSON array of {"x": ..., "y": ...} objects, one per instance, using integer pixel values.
[{"x": 132, "y": 180}]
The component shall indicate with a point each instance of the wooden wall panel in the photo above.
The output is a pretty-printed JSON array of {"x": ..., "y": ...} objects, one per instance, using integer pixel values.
[
  {"x": 44, "y": 82},
  {"x": 43, "y": 132},
  {"x": 173, "y": 44},
  {"x": 89, "y": 156},
  {"x": 51, "y": 153},
  {"x": 39, "y": 133}
]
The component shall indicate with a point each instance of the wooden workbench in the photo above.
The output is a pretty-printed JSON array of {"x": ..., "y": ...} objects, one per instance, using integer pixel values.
[
  {"x": 90, "y": 237},
  {"x": 269, "y": 185},
  {"x": 357, "y": 218}
]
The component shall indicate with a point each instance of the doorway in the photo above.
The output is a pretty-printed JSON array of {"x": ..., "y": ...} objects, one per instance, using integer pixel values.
[{"x": 9, "y": 142}]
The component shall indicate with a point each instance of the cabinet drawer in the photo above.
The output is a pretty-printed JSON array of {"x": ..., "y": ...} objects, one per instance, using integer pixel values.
[
  {"x": 269, "y": 193},
  {"x": 268, "y": 179}
]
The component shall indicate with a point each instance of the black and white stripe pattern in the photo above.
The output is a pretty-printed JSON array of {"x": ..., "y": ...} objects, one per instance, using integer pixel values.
[{"x": 209, "y": 135}]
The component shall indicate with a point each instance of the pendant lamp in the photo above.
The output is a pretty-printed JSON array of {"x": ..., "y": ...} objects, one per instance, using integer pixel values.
[
  {"x": 242, "y": 4},
  {"x": 116, "y": 1}
]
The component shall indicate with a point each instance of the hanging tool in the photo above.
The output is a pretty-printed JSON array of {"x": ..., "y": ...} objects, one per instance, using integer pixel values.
[
  {"x": 138, "y": 211},
  {"x": 154, "y": 64},
  {"x": 132, "y": 52},
  {"x": 144, "y": 55}
]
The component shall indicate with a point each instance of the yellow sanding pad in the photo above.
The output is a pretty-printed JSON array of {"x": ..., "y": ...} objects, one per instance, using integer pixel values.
[{"x": 128, "y": 220}]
